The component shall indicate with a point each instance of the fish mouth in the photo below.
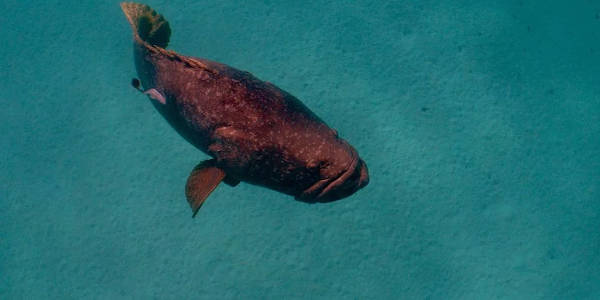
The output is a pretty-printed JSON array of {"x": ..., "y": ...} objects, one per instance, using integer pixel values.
[
  {"x": 340, "y": 179},
  {"x": 353, "y": 179}
]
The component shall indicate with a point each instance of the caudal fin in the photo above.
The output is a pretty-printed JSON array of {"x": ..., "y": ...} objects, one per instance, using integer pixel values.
[{"x": 147, "y": 24}]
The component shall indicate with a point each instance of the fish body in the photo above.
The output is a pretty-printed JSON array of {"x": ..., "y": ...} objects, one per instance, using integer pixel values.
[{"x": 254, "y": 131}]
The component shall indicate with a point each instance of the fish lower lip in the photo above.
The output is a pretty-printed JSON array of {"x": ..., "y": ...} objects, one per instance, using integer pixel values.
[{"x": 364, "y": 175}]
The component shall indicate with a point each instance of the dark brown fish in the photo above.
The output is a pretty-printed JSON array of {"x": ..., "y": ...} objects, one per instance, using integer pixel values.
[{"x": 255, "y": 132}]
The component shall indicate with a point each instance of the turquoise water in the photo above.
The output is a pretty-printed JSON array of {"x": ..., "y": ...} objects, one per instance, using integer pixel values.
[{"x": 479, "y": 121}]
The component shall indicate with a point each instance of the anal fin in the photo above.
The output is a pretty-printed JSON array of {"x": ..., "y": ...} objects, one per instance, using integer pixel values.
[{"x": 205, "y": 177}]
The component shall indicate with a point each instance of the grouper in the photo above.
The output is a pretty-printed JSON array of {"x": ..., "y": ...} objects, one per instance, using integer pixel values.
[{"x": 253, "y": 131}]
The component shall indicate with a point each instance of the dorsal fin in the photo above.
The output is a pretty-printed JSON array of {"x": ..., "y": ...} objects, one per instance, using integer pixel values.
[{"x": 147, "y": 25}]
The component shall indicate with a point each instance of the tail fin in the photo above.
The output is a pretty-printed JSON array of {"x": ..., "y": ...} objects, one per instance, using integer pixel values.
[{"x": 147, "y": 24}]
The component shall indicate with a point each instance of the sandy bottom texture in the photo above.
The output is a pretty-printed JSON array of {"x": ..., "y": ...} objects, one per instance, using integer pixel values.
[{"x": 479, "y": 121}]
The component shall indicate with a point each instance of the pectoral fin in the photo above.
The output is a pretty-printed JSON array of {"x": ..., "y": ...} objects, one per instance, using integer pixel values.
[
  {"x": 156, "y": 95},
  {"x": 202, "y": 181}
]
